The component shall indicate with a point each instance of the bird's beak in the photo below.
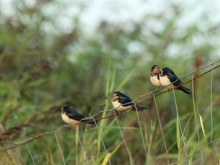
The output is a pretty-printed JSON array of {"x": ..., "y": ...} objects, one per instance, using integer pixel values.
[{"x": 62, "y": 109}]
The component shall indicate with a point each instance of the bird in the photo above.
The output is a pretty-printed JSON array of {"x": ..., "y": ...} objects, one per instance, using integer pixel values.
[
  {"x": 167, "y": 77},
  {"x": 122, "y": 102},
  {"x": 154, "y": 75},
  {"x": 72, "y": 117}
]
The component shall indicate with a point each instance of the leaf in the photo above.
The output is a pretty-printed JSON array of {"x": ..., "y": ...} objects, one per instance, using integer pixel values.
[
  {"x": 202, "y": 126},
  {"x": 109, "y": 155}
]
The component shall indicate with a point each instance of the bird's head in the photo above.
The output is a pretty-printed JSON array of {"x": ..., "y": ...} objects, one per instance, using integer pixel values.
[
  {"x": 65, "y": 108},
  {"x": 116, "y": 95},
  {"x": 155, "y": 70}
]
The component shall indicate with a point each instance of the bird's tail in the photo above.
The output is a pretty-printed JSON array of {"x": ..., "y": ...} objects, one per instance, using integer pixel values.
[
  {"x": 184, "y": 89},
  {"x": 92, "y": 122},
  {"x": 89, "y": 121},
  {"x": 138, "y": 107}
]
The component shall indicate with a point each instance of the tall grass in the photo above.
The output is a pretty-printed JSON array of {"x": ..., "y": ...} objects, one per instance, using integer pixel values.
[{"x": 39, "y": 73}]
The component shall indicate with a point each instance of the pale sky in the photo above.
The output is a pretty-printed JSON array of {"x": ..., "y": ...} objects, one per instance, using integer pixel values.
[{"x": 123, "y": 13}]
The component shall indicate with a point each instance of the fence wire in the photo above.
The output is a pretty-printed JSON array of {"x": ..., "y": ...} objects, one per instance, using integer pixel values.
[{"x": 144, "y": 98}]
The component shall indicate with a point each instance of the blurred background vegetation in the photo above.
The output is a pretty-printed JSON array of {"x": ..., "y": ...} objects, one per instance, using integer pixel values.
[{"x": 79, "y": 52}]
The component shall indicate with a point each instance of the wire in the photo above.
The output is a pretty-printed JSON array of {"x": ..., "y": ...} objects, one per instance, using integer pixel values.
[
  {"x": 167, "y": 90},
  {"x": 150, "y": 97}
]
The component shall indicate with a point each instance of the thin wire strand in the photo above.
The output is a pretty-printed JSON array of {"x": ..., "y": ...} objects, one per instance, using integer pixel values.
[
  {"x": 146, "y": 94},
  {"x": 38, "y": 136},
  {"x": 199, "y": 68}
]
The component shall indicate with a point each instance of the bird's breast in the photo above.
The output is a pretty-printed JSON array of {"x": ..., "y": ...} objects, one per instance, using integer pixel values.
[
  {"x": 68, "y": 120},
  {"x": 118, "y": 106},
  {"x": 164, "y": 80},
  {"x": 155, "y": 81}
]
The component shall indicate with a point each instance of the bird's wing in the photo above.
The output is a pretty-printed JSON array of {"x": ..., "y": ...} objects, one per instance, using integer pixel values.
[
  {"x": 174, "y": 79},
  {"x": 125, "y": 100},
  {"x": 170, "y": 70},
  {"x": 89, "y": 120},
  {"x": 74, "y": 115},
  {"x": 138, "y": 107}
]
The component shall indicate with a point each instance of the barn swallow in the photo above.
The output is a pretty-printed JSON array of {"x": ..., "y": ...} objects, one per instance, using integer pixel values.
[
  {"x": 154, "y": 75},
  {"x": 122, "y": 102},
  {"x": 72, "y": 117},
  {"x": 168, "y": 77}
]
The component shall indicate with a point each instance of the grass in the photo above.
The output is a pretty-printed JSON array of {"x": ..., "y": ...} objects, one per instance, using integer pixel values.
[
  {"x": 97, "y": 145},
  {"x": 35, "y": 82},
  {"x": 128, "y": 138}
]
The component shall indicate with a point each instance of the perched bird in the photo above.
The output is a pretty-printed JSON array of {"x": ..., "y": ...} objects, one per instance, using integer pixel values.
[
  {"x": 168, "y": 77},
  {"x": 122, "y": 102},
  {"x": 154, "y": 76},
  {"x": 72, "y": 117}
]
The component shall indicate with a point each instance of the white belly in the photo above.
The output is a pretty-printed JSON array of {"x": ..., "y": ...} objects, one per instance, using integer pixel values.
[
  {"x": 67, "y": 120},
  {"x": 155, "y": 81},
  {"x": 164, "y": 81},
  {"x": 119, "y": 107}
]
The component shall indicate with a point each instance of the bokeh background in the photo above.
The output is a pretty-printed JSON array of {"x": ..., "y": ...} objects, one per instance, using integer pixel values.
[{"x": 78, "y": 52}]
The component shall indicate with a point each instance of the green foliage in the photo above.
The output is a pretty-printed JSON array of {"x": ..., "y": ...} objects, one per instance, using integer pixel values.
[{"x": 41, "y": 71}]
